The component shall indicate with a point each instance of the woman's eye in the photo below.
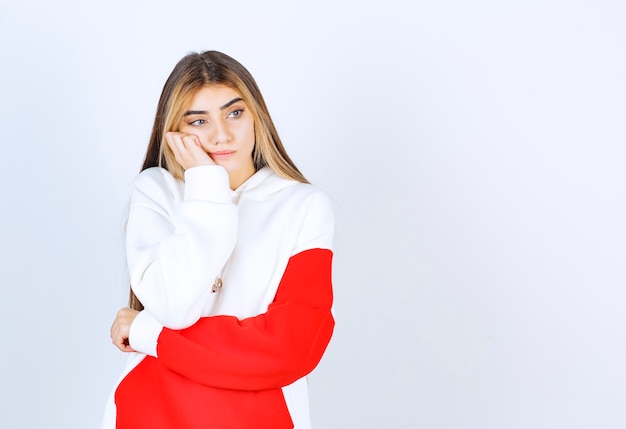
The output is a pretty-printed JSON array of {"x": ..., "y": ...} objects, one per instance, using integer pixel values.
[
  {"x": 197, "y": 122},
  {"x": 235, "y": 113}
]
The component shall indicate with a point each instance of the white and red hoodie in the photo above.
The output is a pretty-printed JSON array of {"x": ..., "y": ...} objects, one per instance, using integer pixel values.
[{"x": 237, "y": 357}]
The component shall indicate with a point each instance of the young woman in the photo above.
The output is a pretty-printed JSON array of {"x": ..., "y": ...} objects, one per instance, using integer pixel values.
[{"x": 229, "y": 252}]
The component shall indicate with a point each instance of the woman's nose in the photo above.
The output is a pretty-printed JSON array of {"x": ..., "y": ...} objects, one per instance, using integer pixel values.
[{"x": 222, "y": 133}]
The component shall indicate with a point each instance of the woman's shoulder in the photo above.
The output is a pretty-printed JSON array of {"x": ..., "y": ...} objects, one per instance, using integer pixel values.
[
  {"x": 279, "y": 183},
  {"x": 310, "y": 191},
  {"x": 153, "y": 174},
  {"x": 307, "y": 197},
  {"x": 313, "y": 212}
]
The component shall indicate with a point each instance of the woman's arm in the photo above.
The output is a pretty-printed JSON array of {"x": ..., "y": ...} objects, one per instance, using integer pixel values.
[
  {"x": 176, "y": 248},
  {"x": 266, "y": 351}
]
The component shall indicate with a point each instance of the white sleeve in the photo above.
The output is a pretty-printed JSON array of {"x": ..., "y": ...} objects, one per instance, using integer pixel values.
[{"x": 175, "y": 246}]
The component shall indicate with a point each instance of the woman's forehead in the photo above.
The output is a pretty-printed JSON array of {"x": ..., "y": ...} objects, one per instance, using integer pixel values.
[{"x": 214, "y": 96}]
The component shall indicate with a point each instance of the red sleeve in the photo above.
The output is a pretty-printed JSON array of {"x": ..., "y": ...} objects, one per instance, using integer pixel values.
[{"x": 267, "y": 351}]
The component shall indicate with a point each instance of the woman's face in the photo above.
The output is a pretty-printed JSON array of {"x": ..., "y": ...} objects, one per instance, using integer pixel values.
[{"x": 225, "y": 126}]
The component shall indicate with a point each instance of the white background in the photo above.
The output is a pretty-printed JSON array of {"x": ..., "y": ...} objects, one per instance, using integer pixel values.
[{"x": 475, "y": 154}]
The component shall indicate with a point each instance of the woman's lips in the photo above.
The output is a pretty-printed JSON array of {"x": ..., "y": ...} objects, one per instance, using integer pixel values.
[{"x": 222, "y": 154}]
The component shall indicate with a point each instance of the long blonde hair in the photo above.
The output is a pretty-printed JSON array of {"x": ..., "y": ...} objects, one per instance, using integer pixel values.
[{"x": 193, "y": 72}]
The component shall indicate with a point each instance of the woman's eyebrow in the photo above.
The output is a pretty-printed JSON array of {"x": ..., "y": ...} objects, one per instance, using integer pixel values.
[
  {"x": 195, "y": 112},
  {"x": 231, "y": 102},
  {"x": 204, "y": 112}
]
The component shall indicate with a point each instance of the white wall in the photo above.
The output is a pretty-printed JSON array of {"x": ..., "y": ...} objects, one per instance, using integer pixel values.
[{"x": 474, "y": 151}]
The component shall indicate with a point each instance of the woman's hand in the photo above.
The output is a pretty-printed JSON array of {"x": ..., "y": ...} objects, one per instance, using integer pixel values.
[
  {"x": 187, "y": 150},
  {"x": 121, "y": 328}
]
